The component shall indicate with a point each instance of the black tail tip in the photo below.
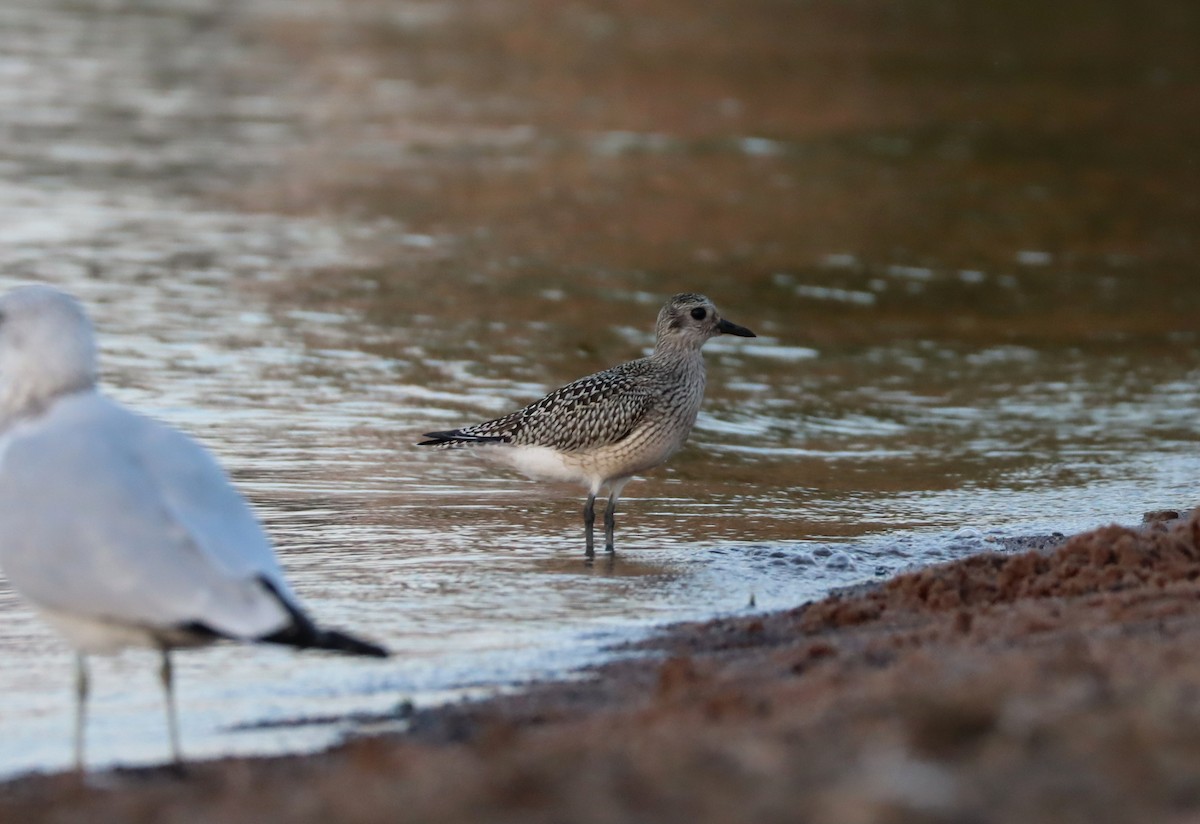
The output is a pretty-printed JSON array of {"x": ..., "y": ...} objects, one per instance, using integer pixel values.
[
  {"x": 335, "y": 641},
  {"x": 460, "y": 438}
]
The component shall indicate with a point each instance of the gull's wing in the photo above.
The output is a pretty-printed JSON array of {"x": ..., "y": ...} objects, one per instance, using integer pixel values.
[
  {"x": 200, "y": 497},
  {"x": 108, "y": 515}
]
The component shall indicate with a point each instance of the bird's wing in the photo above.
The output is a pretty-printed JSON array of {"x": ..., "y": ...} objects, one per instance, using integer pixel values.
[
  {"x": 594, "y": 411},
  {"x": 108, "y": 515},
  {"x": 200, "y": 497}
]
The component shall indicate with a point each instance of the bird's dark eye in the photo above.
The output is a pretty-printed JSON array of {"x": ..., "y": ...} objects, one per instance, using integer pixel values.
[{"x": 699, "y": 313}]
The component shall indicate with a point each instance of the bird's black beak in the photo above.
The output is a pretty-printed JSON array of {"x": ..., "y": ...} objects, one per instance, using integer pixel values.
[{"x": 727, "y": 328}]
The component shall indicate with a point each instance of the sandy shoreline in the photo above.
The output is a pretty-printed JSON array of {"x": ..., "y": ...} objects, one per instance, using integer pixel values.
[{"x": 1049, "y": 685}]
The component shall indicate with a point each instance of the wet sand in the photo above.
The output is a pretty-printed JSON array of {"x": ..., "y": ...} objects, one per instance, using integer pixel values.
[{"x": 1055, "y": 684}]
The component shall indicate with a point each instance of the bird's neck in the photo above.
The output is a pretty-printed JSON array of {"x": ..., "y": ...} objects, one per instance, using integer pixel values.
[
  {"x": 679, "y": 357},
  {"x": 20, "y": 400},
  {"x": 673, "y": 347}
]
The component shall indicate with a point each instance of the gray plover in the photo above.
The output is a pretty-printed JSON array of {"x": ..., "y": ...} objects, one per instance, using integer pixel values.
[
  {"x": 603, "y": 429},
  {"x": 119, "y": 530}
]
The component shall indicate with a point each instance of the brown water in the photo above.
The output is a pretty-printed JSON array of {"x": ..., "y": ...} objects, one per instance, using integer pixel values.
[{"x": 309, "y": 232}]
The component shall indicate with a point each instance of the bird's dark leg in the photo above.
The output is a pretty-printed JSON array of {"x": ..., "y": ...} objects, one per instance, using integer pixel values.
[
  {"x": 81, "y": 696},
  {"x": 610, "y": 522},
  {"x": 614, "y": 494},
  {"x": 166, "y": 675},
  {"x": 589, "y": 521}
]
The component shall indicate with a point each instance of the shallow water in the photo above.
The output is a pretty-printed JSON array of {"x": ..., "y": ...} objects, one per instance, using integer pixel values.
[{"x": 207, "y": 179}]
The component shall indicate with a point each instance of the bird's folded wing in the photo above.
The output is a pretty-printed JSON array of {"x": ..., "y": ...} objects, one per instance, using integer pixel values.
[{"x": 589, "y": 413}]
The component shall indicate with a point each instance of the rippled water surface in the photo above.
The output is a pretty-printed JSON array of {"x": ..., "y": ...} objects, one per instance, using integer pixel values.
[{"x": 309, "y": 232}]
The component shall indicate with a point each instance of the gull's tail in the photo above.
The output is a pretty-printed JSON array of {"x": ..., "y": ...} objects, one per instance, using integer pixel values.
[
  {"x": 327, "y": 639},
  {"x": 304, "y": 634}
]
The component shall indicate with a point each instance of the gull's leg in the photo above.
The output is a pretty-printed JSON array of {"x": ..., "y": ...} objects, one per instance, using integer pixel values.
[
  {"x": 589, "y": 521},
  {"x": 81, "y": 695},
  {"x": 610, "y": 512},
  {"x": 167, "y": 676}
]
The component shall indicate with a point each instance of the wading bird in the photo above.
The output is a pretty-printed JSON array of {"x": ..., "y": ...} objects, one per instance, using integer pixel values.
[{"x": 603, "y": 429}]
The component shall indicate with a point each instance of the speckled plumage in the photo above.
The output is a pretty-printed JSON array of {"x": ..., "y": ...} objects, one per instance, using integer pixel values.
[{"x": 604, "y": 428}]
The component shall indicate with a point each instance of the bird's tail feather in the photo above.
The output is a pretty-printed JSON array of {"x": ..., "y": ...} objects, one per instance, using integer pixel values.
[
  {"x": 304, "y": 634},
  {"x": 332, "y": 640},
  {"x": 458, "y": 437}
]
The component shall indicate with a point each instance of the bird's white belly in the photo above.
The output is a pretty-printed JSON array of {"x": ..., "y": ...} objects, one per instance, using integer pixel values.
[
  {"x": 592, "y": 468},
  {"x": 539, "y": 462},
  {"x": 97, "y": 637}
]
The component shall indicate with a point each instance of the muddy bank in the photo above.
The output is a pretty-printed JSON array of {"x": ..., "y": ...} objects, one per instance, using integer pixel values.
[{"x": 1051, "y": 685}]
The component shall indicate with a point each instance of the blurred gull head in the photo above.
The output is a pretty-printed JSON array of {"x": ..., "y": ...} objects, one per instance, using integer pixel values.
[{"x": 46, "y": 350}]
